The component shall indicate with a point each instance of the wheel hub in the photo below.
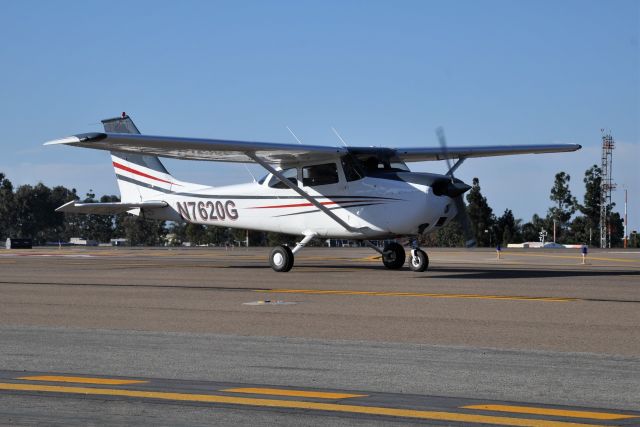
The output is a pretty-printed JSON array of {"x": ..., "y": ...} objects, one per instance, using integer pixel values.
[{"x": 278, "y": 259}]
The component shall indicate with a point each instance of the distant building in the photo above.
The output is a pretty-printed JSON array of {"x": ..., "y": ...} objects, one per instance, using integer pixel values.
[
  {"x": 13, "y": 243},
  {"x": 82, "y": 242},
  {"x": 119, "y": 242}
]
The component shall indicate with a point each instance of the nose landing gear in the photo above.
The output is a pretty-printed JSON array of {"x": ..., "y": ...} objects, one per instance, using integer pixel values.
[
  {"x": 393, "y": 256},
  {"x": 418, "y": 261}
]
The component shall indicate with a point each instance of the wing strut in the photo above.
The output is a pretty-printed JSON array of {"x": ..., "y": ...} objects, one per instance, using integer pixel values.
[
  {"x": 455, "y": 166},
  {"x": 301, "y": 192}
]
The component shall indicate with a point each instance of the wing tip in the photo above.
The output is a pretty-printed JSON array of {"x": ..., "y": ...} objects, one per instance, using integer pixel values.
[
  {"x": 66, "y": 140},
  {"x": 66, "y": 205},
  {"x": 76, "y": 139}
]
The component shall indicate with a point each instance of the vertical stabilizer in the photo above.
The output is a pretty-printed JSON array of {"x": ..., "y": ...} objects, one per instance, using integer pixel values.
[{"x": 140, "y": 177}]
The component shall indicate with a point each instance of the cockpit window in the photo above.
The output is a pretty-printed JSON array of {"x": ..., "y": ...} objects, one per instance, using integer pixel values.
[
  {"x": 398, "y": 165},
  {"x": 374, "y": 163},
  {"x": 320, "y": 175},
  {"x": 291, "y": 174},
  {"x": 352, "y": 170}
]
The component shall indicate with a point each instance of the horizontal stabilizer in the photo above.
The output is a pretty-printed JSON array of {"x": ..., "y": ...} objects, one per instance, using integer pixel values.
[{"x": 107, "y": 208}]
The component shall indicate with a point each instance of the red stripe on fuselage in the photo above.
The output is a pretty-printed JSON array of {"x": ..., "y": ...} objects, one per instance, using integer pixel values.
[
  {"x": 128, "y": 169},
  {"x": 298, "y": 205}
]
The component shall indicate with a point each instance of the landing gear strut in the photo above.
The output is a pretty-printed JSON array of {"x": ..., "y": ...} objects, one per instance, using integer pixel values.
[
  {"x": 418, "y": 260},
  {"x": 393, "y": 256},
  {"x": 282, "y": 257}
]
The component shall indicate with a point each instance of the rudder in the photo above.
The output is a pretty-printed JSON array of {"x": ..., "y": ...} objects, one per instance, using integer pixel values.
[{"x": 140, "y": 177}]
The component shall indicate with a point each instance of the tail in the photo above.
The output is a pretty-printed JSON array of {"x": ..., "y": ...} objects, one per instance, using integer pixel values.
[{"x": 140, "y": 177}]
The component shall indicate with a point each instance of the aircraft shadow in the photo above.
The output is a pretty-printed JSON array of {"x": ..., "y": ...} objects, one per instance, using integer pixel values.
[{"x": 512, "y": 273}]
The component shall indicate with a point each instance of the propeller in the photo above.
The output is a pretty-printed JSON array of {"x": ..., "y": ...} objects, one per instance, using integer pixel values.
[{"x": 455, "y": 189}]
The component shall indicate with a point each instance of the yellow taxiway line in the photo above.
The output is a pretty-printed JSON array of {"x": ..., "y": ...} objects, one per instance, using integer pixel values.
[
  {"x": 80, "y": 380},
  {"x": 551, "y": 412},
  {"x": 292, "y": 393},
  {"x": 413, "y": 294},
  {"x": 292, "y": 404}
]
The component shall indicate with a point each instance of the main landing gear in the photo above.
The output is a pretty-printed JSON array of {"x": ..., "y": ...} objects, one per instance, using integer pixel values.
[
  {"x": 282, "y": 257},
  {"x": 393, "y": 256}
]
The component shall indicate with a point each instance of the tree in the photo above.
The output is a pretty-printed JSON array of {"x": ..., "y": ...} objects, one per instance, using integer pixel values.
[
  {"x": 7, "y": 208},
  {"x": 140, "y": 231},
  {"x": 586, "y": 228},
  {"x": 579, "y": 231},
  {"x": 59, "y": 196},
  {"x": 480, "y": 214},
  {"x": 565, "y": 203},
  {"x": 531, "y": 230},
  {"x": 196, "y": 234},
  {"x": 591, "y": 205},
  {"x": 508, "y": 228},
  {"x": 35, "y": 217},
  {"x": 274, "y": 239},
  {"x": 616, "y": 225},
  {"x": 448, "y": 236}
]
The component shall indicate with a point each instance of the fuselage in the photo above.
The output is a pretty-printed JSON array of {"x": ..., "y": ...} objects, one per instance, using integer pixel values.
[{"x": 374, "y": 207}]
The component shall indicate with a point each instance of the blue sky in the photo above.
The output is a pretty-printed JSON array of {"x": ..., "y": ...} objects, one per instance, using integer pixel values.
[{"x": 382, "y": 73}]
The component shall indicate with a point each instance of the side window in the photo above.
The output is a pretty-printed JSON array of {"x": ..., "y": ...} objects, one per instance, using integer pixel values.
[
  {"x": 320, "y": 175},
  {"x": 351, "y": 170},
  {"x": 291, "y": 174}
]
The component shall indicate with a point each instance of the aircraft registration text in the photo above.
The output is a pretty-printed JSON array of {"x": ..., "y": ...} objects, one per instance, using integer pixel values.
[{"x": 208, "y": 211}]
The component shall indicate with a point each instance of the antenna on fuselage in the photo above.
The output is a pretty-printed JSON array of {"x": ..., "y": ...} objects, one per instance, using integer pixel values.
[
  {"x": 338, "y": 135},
  {"x": 249, "y": 172},
  {"x": 294, "y": 135}
]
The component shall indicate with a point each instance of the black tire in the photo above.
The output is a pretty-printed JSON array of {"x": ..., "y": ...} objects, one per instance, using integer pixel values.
[
  {"x": 419, "y": 262},
  {"x": 393, "y": 256},
  {"x": 281, "y": 259}
]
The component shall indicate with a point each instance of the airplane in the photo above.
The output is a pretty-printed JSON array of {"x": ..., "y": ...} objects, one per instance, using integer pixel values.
[{"x": 313, "y": 191}]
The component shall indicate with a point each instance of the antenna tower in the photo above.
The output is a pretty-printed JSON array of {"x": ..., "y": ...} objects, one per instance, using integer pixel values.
[{"x": 606, "y": 187}]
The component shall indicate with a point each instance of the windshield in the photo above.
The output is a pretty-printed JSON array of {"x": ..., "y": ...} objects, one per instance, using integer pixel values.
[{"x": 375, "y": 163}]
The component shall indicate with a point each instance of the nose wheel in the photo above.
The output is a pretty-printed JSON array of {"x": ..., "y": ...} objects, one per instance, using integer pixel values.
[{"x": 418, "y": 261}]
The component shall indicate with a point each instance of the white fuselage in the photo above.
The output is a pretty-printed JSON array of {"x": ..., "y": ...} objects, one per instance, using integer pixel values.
[{"x": 377, "y": 208}]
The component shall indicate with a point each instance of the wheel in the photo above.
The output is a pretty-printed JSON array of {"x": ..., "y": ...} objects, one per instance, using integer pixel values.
[
  {"x": 418, "y": 261},
  {"x": 281, "y": 259},
  {"x": 393, "y": 256}
]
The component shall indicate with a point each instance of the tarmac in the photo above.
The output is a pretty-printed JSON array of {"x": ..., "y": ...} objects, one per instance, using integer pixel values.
[{"x": 201, "y": 336}]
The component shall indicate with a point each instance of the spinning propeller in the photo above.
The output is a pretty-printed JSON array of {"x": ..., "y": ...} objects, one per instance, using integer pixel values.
[{"x": 455, "y": 189}]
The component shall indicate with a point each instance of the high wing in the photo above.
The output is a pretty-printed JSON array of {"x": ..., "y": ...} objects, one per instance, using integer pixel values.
[
  {"x": 219, "y": 150},
  {"x": 106, "y": 208},
  {"x": 426, "y": 154},
  {"x": 276, "y": 153}
]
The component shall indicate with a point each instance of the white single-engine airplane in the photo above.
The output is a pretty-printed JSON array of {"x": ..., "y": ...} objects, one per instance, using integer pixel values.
[{"x": 314, "y": 191}]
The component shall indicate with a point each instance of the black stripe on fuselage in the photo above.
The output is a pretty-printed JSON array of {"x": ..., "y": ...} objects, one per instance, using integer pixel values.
[
  {"x": 331, "y": 209},
  {"x": 232, "y": 196}
]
